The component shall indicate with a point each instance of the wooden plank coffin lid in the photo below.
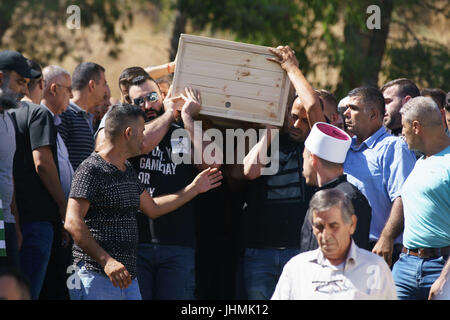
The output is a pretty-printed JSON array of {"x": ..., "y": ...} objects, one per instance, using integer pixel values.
[{"x": 235, "y": 79}]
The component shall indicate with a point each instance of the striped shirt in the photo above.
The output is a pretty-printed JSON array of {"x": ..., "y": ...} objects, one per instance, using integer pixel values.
[{"x": 76, "y": 130}]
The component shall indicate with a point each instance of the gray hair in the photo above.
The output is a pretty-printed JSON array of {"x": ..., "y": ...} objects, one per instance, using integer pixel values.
[
  {"x": 422, "y": 109},
  {"x": 51, "y": 73},
  {"x": 324, "y": 200}
]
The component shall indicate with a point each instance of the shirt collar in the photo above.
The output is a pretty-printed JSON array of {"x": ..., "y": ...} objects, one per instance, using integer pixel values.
[
  {"x": 56, "y": 118},
  {"x": 76, "y": 107},
  {"x": 370, "y": 141},
  {"x": 51, "y": 112},
  {"x": 319, "y": 258},
  {"x": 333, "y": 183}
]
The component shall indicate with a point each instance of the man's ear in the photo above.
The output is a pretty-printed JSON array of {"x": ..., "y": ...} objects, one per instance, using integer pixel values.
[
  {"x": 405, "y": 99},
  {"x": 41, "y": 83},
  {"x": 128, "y": 133},
  {"x": 52, "y": 89},
  {"x": 314, "y": 160},
  {"x": 374, "y": 113},
  {"x": 354, "y": 223},
  {"x": 91, "y": 85},
  {"x": 416, "y": 126},
  {"x": 1, "y": 79}
]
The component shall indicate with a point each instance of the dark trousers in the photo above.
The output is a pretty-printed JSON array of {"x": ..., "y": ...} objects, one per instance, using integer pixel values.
[{"x": 55, "y": 287}]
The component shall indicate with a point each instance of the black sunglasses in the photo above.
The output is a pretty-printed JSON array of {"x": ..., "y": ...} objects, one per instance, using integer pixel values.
[{"x": 152, "y": 97}]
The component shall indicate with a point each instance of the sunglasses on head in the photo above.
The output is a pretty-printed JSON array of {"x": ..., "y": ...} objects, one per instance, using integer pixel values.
[{"x": 152, "y": 97}]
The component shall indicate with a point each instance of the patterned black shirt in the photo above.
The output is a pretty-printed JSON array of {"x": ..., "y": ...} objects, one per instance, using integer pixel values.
[{"x": 111, "y": 218}]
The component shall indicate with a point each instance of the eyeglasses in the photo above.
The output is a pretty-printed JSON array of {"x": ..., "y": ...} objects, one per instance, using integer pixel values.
[
  {"x": 152, "y": 97},
  {"x": 68, "y": 88}
]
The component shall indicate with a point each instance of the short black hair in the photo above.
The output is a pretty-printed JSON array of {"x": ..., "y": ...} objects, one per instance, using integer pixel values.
[
  {"x": 131, "y": 73},
  {"x": 406, "y": 87},
  {"x": 371, "y": 97},
  {"x": 119, "y": 117},
  {"x": 85, "y": 72},
  {"x": 327, "y": 96},
  {"x": 438, "y": 95}
]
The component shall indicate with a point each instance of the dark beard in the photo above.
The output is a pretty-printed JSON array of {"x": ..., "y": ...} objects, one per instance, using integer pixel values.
[
  {"x": 8, "y": 101},
  {"x": 158, "y": 113}
]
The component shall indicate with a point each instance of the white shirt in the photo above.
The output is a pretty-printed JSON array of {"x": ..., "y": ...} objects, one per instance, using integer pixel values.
[{"x": 310, "y": 276}]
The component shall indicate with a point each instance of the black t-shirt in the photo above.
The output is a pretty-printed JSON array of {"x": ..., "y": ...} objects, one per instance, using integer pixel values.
[
  {"x": 363, "y": 212},
  {"x": 34, "y": 129},
  {"x": 277, "y": 204},
  {"x": 114, "y": 198},
  {"x": 161, "y": 176}
]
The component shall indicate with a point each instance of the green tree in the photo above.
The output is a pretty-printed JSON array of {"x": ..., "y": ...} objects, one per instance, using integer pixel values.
[
  {"x": 361, "y": 55},
  {"x": 36, "y": 26}
]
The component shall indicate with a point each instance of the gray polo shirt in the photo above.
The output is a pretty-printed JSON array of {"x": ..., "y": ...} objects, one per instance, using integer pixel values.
[
  {"x": 7, "y": 150},
  {"x": 65, "y": 167}
]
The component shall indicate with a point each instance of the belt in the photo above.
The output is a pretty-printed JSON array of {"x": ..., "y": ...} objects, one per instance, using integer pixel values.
[{"x": 425, "y": 253}]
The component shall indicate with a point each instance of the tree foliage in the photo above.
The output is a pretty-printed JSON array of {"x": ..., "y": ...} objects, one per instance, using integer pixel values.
[
  {"x": 360, "y": 54},
  {"x": 36, "y": 26}
]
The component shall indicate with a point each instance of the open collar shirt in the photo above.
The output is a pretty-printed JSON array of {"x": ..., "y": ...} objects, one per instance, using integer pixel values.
[
  {"x": 378, "y": 167},
  {"x": 310, "y": 276},
  {"x": 65, "y": 168}
]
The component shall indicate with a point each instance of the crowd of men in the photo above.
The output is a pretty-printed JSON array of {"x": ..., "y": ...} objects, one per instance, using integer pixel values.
[{"x": 95, "y": 205}]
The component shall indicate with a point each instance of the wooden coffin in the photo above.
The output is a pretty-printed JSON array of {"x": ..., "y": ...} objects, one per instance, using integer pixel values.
[{"x": 235, "y": 79}]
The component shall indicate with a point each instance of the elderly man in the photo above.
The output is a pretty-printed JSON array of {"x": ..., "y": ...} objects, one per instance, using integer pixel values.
[
  {"x": 377, "y": 164},
  {"x": 338, "y": 269},
  {"x": 323, "y": 158},
  {"x": 56, "y": 95},
  {"x": 102, "y": 211},
  {"x": 426, "y": 204}
]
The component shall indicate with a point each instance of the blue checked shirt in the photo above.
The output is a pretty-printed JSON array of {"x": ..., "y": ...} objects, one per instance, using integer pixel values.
[{"x": 378, "y": 167}]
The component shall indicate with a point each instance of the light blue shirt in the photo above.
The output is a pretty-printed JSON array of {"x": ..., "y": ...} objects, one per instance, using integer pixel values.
[
  {"x": 378, "y": 167},
  {"x": 426, "y": 203}
]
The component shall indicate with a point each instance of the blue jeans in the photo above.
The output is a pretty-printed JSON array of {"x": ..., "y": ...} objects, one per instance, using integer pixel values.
[
  {"x": 35, "y": 253},
  {"x": 262, "y": 269},
  {"x": 166, "y": 272},
  {"x": 91, "y": 285},
  {"x": 414, "y": 276}
]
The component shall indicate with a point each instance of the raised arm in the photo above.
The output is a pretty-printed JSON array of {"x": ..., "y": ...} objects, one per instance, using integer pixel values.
[
  {"x": 287, "y": 60},
  {"x": 162, "y": 70},
  {"x": 155, "y": 207},
  {"x": 189, "y": 111}
]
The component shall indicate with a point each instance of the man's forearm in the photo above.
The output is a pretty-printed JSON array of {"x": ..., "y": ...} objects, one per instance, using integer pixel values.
[
  {"x": 307, "y": 95},
  {"x": 252, "y": 161},
  {"x": 199, "y": 145},
  {"x": 48, "y": 173},
  {"x": 84, "y": 239},
  {"x": 155, "y": 131},
  {"x": 170, "y": 202},
  {"x": 394, "y": 225}
]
